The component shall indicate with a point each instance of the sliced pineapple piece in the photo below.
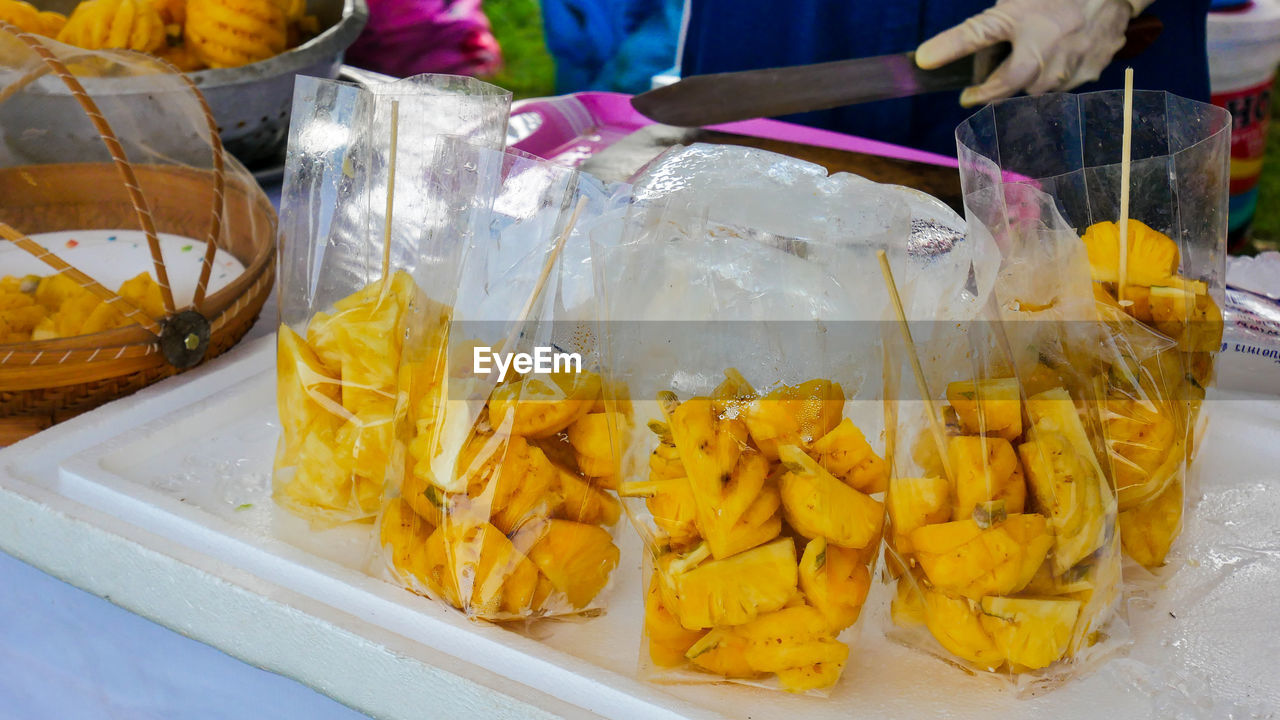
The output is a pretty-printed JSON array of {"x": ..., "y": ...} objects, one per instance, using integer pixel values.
[
  {"x": 954, "y": 623},
  {"x": 1065, "y": 479},
  {"x": 798, "y": 414},
  {"x": 846, "y": 454},
  {"x": 1145, "y": 455},
  {"x": 304, "y": 388},
  {"x": 835, "y": 581},
  {"x": 577, "y": 558},
  {"x": 540, "y": 406},
  {"x": 585, "y": 503},
  {"x": 722, "y": 653},
  {"x": 668, "y": 641},
  {"x": 495, "y": 578},
  {"x": 1030, "y": 633},
  {"x": 962, "y": 558},
  {"x": 816, "y": 504},
  {"x": 1152, "y": 257},
  {"x": 988, "y": 407},
  {"x": 406, "y": 534},
  {"x": 733, "y": 590},
  {"x": 916, "y": 502},
  {"x": 590, "y": 438},
  {"x": 986, "y": 469},
  {"x": 1148, "y": 530}
]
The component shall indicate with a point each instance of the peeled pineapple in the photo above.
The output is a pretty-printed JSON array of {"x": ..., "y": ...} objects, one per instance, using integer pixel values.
[
  {"x": 966, "y": 559},
  {"x": 230, "y": 33},
  {"x": 125, "y": 24},
  {"x": 736, "y": 480},
  {"x": 988, "y": 407},
  {"x": 29, "y": 18}
]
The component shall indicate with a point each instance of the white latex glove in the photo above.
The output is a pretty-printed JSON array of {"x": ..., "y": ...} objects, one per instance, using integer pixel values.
[{"x": 1057, "y": 44}]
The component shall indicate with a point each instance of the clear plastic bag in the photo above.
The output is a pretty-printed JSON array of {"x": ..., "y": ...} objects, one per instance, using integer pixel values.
[
  {"x": 1069, "y": 146},
  {"x": 505, "y": 510},
  {"x": 1001, "y": 537},
  {"x": 749, "y": 353},
  {"x": 347, "y": 280}
]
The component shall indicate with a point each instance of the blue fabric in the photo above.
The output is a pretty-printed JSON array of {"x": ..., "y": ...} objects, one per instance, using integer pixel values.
[
  {"x": 613, "y": 45},
  {"x": 728, "y": 35}
]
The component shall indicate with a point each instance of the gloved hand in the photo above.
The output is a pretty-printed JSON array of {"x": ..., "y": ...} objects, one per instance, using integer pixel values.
[{"x": 1057, "y": 44}]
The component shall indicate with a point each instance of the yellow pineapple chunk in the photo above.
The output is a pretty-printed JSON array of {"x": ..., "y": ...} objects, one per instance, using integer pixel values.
[
  {"x": 916, "y": 502},
  {"x": 1147, "y": 531},
  {"x": 1030, "y": 633},
  {"x": 1152, "y": 257},
  {"x": 988, "y": 407},
  {"x": 733, "y": 590},
  {"x": 986, "y": 469},
  {"x": 816, "y": 504},
  {"x": 722, "y": 653},
  {"x": 726, "y": 478},
  {"x": 583, "y": 502},
  {"x": 494, "y": 578},
  {"x": 304, "y": 388},
  {"x": 577, "y": 558},
  {"x": 1065, "y": 479},
  {"x": 1145, "y": 454},
  {"x": 835, "y": 582},
  {"x": 406, "y": 534},
  {"x": 539, "y": 406},
  {"x": 668, "y": 640},
  {"x": 954, "y": 623},
  {"x": 798, "y": 414},
  {"x": 963, "y": 558},
  {"x": 845, "y": 453},
  {"x": 590, "y": 438},
  {"x": 508, "y": 480}
]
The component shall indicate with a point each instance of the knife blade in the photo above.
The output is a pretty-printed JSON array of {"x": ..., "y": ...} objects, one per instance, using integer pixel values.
[{"x": 726, "y": 97}]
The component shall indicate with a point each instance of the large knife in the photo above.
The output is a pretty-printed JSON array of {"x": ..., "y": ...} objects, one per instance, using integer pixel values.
[{"x": 725, "y": 97}]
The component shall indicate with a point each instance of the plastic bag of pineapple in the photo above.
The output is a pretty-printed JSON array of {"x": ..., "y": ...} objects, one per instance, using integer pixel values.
[
  {"x": 506, "y": 507},
  {"x": 1002, "y": 535},
  {"x": 343, "y": 300},
  {"x": 742, "y": 305},
  {"x": 1174, "y": 270}
]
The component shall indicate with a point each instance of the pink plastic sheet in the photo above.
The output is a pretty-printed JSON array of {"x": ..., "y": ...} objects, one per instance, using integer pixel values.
[{"x": 571, "y": 128}]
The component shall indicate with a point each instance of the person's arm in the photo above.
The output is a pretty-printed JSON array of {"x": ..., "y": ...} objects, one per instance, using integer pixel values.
[{"x": 1057, "y": 44}]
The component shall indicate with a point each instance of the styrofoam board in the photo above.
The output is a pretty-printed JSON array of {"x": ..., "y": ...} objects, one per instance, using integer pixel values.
[{"x": 111, "y": 475}]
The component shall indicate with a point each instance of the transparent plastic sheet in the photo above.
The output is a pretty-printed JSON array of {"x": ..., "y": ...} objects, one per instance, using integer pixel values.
[
  {"x": 57, "y": 173},
  {"x": 751, "y": 357},
  {"x": 1001, "y": 540},
  {"x": 1069, "y": 146},
  {"x": 506, "y": 510},
  {"x": 343, "y": 303}
]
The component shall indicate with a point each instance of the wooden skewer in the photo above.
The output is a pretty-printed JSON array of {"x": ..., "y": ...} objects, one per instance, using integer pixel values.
[
  {"x": 1126, "y": 145},
  {"x": 935, "y": 424},
  {"x": 391, "y": 194}
]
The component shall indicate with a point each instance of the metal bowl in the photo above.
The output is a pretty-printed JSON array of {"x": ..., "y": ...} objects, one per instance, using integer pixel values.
[{"x": 252, "y": 103}]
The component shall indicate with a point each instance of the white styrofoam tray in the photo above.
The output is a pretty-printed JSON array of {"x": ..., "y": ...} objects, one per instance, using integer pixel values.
[{"x": 161, "y": 502}]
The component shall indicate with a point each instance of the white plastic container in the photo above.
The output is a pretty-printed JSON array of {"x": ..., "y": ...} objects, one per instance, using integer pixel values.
[{"x": 1244, "y": 49}]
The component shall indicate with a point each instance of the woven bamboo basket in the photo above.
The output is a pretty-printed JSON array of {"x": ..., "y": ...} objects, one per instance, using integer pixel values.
[{"x": 44, "y": 382}]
